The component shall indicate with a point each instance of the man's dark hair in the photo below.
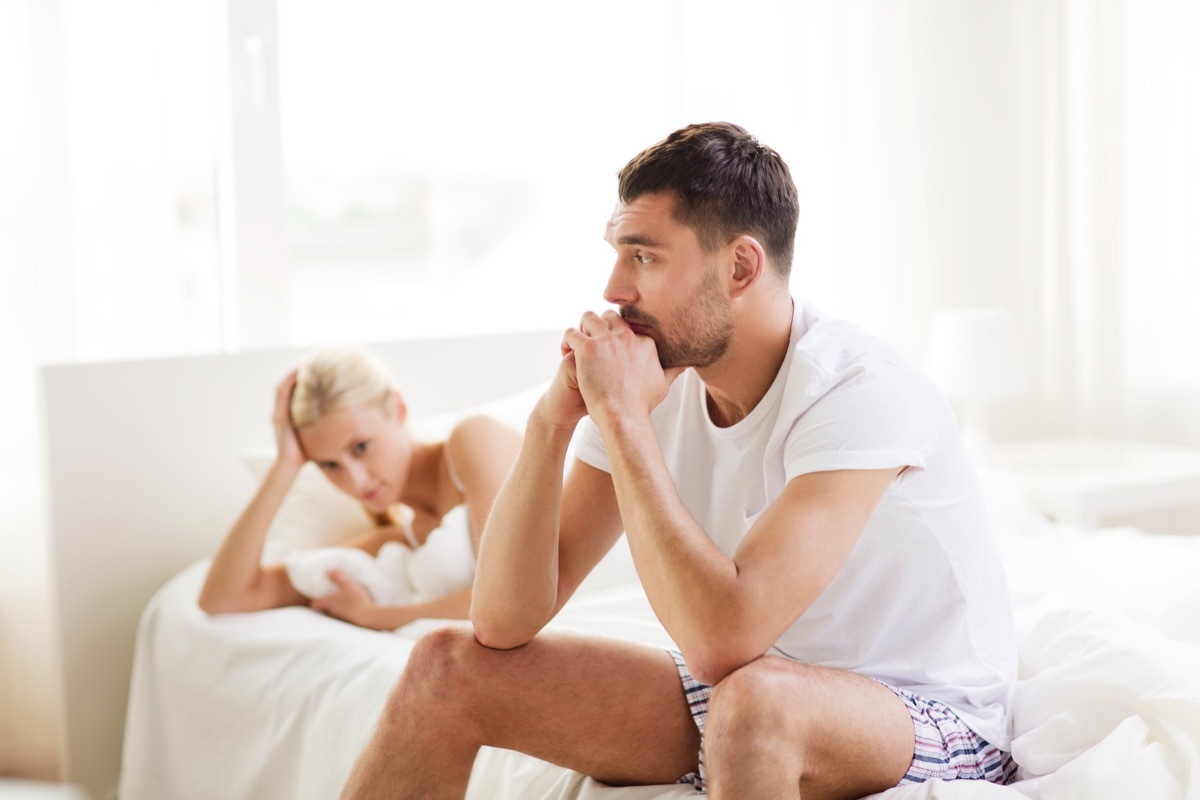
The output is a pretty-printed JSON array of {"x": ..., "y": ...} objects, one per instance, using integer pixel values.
[{"x": 725, "y": 184}]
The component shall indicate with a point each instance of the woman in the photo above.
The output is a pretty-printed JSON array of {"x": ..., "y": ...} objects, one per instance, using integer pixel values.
[{"x": 340, "y": 410}]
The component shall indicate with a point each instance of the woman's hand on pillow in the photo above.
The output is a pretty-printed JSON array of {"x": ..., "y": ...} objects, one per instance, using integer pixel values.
[
  {"x": 287, "y": 444},
  {"x": 352, "y": 603}
]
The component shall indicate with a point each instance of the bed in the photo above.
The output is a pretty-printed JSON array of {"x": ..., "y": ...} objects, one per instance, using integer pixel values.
[{"x": 278, "y": 704}]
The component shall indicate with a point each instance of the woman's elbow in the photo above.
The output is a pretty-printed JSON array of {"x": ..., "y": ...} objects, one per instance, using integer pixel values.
[
  {"x": 215, "y": 602},
  {"x": 213, "y": 605}
]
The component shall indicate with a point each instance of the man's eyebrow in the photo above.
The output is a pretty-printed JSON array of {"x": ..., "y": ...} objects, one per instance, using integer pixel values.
[{"x": 639, "y": 240}]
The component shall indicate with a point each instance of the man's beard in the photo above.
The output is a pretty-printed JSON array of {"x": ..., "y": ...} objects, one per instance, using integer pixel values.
[{"x": 698, "y": 332}]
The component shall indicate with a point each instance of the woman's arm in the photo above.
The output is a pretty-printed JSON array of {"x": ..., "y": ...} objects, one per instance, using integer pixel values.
[
  {"x": 236, "y": 580},
  {"x": 353, "y": 604}
]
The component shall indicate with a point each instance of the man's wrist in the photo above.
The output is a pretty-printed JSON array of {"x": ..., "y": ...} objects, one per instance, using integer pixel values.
[
  {"x": 542, "y": 425},
  {"x": 618, "y": 427}
]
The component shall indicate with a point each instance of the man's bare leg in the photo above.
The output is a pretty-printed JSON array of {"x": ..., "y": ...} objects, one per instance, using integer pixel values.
[
  {"x": 779, "y": 729},
  {"x": 610, "y": 709}
]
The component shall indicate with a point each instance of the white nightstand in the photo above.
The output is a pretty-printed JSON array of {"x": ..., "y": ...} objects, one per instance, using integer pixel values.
[{"x": 1093, "y": 483}]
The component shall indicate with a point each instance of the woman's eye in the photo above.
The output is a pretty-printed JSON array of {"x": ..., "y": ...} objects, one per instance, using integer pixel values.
[
  {"x": 328, "y": 466},
  {"x": 360, "y": 448}
]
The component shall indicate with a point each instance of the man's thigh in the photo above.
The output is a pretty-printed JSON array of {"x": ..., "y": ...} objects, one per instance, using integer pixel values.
[
  {"x": 610, "y": 709},
  {"x": 835, "y": 733}
]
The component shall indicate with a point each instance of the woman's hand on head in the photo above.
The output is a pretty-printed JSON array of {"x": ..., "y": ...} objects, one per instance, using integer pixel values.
[{"x": 287, "y": 444}]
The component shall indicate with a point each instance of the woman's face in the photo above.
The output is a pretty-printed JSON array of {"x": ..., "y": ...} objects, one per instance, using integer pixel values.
[{"x": 365, "y": 451}]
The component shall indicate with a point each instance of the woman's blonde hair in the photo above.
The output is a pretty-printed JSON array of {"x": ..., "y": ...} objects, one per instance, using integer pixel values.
[{"x": 328, "y": 380}]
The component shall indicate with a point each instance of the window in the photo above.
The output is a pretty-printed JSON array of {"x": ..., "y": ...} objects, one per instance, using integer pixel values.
[{"x": 447, "y": 168}]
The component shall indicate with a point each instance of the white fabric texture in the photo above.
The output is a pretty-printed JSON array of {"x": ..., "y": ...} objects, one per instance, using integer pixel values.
[
  {"x": 277, "y": 705},
  {"x": 399, "y": 574},
  {"x": 922, "y": 601}
]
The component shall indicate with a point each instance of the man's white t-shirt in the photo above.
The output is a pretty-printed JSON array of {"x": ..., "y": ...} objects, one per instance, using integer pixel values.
[{"x": 922, "y": 602}]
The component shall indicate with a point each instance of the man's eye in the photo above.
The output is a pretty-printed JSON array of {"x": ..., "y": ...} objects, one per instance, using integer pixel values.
[
  {"x": 642, "y": 258},
  {"x": 360, "y": 448},
  {"x": 328, "y": 466}
]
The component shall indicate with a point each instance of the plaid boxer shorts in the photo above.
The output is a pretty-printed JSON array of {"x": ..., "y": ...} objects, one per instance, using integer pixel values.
[{"x": 944, "y": 746}]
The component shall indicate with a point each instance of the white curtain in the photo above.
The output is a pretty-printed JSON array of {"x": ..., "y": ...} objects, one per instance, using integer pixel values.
[
  {"x": 34, "y": 326},
  {"x": 1160, "y": 278},
  {"x": 1119, "y": 345},
  {"x": 1044, "y": 157}
]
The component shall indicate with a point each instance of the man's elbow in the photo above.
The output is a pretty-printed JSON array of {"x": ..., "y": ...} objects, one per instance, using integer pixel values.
[
  {"x": 500, "y": 632},
  {"x": 710, "y": 672},
  {"x": 499, "y": 637},
  {"x": 507, "y": 623},
  {"x": 711, "y": 664}
]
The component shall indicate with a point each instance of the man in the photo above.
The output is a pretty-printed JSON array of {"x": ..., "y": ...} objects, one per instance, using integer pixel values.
[{"x": 805, "y": 523}]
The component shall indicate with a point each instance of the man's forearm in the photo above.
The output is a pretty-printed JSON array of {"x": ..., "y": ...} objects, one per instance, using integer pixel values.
[
  {"x": 516, "y": 579},
  {"x": 690, "y": 583}
]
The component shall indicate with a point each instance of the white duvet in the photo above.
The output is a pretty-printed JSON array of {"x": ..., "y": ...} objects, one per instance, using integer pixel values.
[{"x": 277, "y": 705}]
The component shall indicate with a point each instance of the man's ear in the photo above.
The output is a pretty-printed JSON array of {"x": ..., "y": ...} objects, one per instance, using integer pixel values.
[
  {"x": 749, "y": 263},
  {"x": 399, "y": 407}
]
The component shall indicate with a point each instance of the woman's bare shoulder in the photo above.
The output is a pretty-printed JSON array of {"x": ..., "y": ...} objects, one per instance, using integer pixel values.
[
  {"x": 468, "y": 430},
  {"x": 481, "y": 440}
]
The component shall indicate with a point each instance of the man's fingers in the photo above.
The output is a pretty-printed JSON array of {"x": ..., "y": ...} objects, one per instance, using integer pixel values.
[
  {"x": 571, "y": 339},
  {"x": 592, "y": 323},
  {"x": 614, "y": 321},
  {"x": 568, "y": 361}
]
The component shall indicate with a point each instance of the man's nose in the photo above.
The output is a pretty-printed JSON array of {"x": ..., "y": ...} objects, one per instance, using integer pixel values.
[{"x": 619, "y": 291}]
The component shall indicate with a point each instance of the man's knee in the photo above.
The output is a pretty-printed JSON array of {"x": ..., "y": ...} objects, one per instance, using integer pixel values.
[
  {"x": 753, "y": 716},
  {"x": 769, "y": 703},
  {"x": 442, "y": 649},
  {"x": 751, "y": 701},
  {"x": 438, "y": 675}
]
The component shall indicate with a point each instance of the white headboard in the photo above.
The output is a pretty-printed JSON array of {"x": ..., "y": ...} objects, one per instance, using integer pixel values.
[{"x": 145, "y": 478}]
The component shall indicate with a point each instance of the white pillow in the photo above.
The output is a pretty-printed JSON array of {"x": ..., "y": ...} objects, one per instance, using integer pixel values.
[{"x": 316, "y": 514}]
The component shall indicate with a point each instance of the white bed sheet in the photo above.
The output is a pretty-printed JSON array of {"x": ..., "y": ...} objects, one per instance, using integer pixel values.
[{"x": 278, "y": 704}]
